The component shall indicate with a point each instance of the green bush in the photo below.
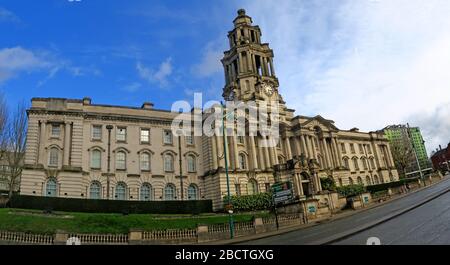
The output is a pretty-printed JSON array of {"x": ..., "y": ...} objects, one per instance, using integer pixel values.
[
  {"x": 261, "y": 201},
  {"x": 351, "y": 190},
  {"x": 385, "y": 186},
  {"x": 328, "y": 184}
]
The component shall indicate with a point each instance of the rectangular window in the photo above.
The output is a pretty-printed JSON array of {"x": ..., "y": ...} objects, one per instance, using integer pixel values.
[
  {"x": 56, "y": 130},
  {"x": 190, "y": 139},
  {"x": 369, "y": 150},
  {"x": 361, "y": 149},
  {"x": 240, "y": 139},
  {"x": 96, "y": 159},
  {"x": 96, "y": 132},
  {"x": 352, "y": 148},
  {"x": 167, "y": 137},
  {"x": 145, "y": 136},
  {"x": 343, "y": 148},
  {"x": 121, "y": 134}
]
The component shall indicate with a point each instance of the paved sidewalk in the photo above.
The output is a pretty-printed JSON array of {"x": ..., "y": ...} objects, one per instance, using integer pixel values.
[{"x": 334, "y": 217}]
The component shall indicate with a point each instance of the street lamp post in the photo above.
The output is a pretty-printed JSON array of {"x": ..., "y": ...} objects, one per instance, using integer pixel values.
[{"x": 230, "y": 211}]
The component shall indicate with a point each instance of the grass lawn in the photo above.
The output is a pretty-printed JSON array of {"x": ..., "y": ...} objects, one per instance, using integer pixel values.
[{"x": 34, "y": 221}]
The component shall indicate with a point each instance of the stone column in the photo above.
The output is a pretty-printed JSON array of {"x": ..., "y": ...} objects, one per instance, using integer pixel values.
[
  {"x": 219, "y": 143},
  {"x": 327, "y": 154},
  {"x": 288, "y": 148},
  {"x": 214, "y": 151},
  {"x": 241, "y": 63},
  {"x": 313, "y": 146},
  {"x": 42, "y": 141},
  {"x": 253, "y": 152},
  {"x": 254, "y": 64},
  {"x": 275, "y": 151},
  {"x": 338, "y": 152},
  {"x": 267, "y": 156},
  {"x": 304, "y": 147},
  {"x": 262, "y": 161},
  {"x": 310, "y": 147},
  {"x": 249, "y": 62},
  {"x": 67, "y": 135},
  {"x": 271, "y": 67},
  {"x": 235, "y": 152},
  {"x": 298, "y": 149},
  {"x": 299, "y": 177},
  {"x": 389, "y": 154}
]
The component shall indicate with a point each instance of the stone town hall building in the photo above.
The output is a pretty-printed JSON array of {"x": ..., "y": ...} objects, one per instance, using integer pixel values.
[{"x": 78, "y": 149}]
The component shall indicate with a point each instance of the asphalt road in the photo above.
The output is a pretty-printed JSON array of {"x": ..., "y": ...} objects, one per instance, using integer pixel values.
[{"x": 428, "y": 223}]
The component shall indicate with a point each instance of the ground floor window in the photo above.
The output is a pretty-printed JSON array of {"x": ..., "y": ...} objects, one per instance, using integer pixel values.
[
  {"x": 169, "y": 192},
  {"x": 95, "y": 191},
  {"x": 192, "y": 192},
  {"x": 146, "y": 192},
  {"x": 51, "y": 187},
  {"x": 121, "y": 191}
]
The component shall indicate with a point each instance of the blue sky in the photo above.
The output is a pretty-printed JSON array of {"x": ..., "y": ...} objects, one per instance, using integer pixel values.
[{"x": 362, "y": 63}]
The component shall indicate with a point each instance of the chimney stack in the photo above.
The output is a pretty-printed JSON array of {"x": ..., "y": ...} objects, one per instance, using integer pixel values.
[
  {"x": 147, "y": 105},
  {"x": 87, "y": 101}
]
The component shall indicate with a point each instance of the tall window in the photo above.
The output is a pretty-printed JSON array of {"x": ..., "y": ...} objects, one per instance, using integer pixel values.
[
  {"x": 368, "y": 181},
  {"x": 167, "y": 137},
  {"x": 190, "y": 139},
  {"x": 169, "y": 192},
  {"x": 96, "y": 159},
  {"x": 53, "y": 157},
  {"x": 121, "y": 160},
  {"x": 51, "y": 187},
  {"x": 267, "y": 187},
  {"x": 252, "y": 187},
  {"x": 95, "y": 191},
  {"x": 145, "y": 161},
  {"x": 146, "y": 192},
  {"x": 340, "y": 182},
  {"x": 242, "y": 161},
  {"x": 376, "y": 180},
  {"x": 145, "y": 136},
  {"x": 56, "y": 130},
  {"x": 360, "y": 181},
  {"x": 343, "y": 148},
  {"x": 355, "y": 163},
  {"x": 192, "y": 192},
  {"x": 372, "y": 163},
  {"x": 96, "y": 132},
  {"x": 168, "y": 163},
  {"x": 352, "y": 148},
  {"x": 240, "y": 139},
  {"x": 237, "y": 187},
  {"x": 121, "y": 191},
  {"x": 191, "y": 163},
  {"x": 364, "y": 161},
  {"x": 361, "y": 149},
  {"x": 350, "y": 181},
  {"x": 369, "y": 150},
  {"x": 346, "y": 165},
  {"x": 121, "y": 134}
]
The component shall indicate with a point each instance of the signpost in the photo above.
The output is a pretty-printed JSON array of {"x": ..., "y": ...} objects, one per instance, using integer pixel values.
[{"x": 281, "y": 193}]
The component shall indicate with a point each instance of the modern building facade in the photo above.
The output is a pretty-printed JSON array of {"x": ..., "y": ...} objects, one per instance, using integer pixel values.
[
  {"x": 410, "y": 137},
  {"x": 441, "y": 158},
  {"x": 83, "y": 150}
]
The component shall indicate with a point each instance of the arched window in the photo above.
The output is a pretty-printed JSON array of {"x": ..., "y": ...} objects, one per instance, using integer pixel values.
[
  {"x": 191, "y": 163},
  {"x": 340, "y": 182},
  {"x": 95, "y": 190},
  {"x": 242, "y": 161},
  {"x": 391, "y": 177},
  {"x": 355, "y": 163},
  {"x": 368, "y": 181},
  {"x": 375, "y": 179},
  {"x": 346, "y": 165},
  {"x": 53, "y": 159},
  {"x": 121, "y": 191},
  {"x": 252, "y": 187},
  {"x": 145, "y": 161},
  {"x": 169, "y": 192},
  {"x": 372, "y": 163},
  {"x": 360, "y": 181},
  {"x": 146, "y": 192},
  {"x": 364, "y": 161},
  {"x": 168, "y": 163},
  {"x": 51, "y": 187},
  {"x": 350, "y": 181},
  {"x": 121, "y": 160},
  {"x": 96, "y": 159},
  {"x": 192, "y": 192}
]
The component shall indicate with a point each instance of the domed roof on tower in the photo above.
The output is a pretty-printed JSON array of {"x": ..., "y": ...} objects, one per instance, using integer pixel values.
[{"x": 242, "y": 19}]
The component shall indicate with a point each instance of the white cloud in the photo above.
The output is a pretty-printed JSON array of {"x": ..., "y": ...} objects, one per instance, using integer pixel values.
[
  {"x": 17, "y": 60},
  {"x": 362, "y": 63},
  {"x": 210, "y": 62},
  {"x": 133, "y": 87},
  {"x": 8, "y": 16},
  {"x": 159, "y": 76}
]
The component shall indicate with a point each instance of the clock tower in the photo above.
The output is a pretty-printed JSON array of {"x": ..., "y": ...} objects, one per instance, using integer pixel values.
[{"x": 248, "y": 64}]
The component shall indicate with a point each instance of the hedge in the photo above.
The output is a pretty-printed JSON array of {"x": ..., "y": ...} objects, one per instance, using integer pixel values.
[
  {"x": 351, "y": 190},
  {"x": 260, "y": 201},
  {"x": 110, "y": 206},
  {"x": 385, "y": 186}
]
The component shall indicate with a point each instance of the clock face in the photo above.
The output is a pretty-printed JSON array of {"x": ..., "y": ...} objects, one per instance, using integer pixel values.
[{"x": 268, "y": 89}]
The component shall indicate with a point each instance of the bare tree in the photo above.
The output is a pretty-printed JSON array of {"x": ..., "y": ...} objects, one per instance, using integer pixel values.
[
  {"x": 3, "y": 122},
  {"x": 402, "y": 153},
  {"x": 16, "y": 141}
]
